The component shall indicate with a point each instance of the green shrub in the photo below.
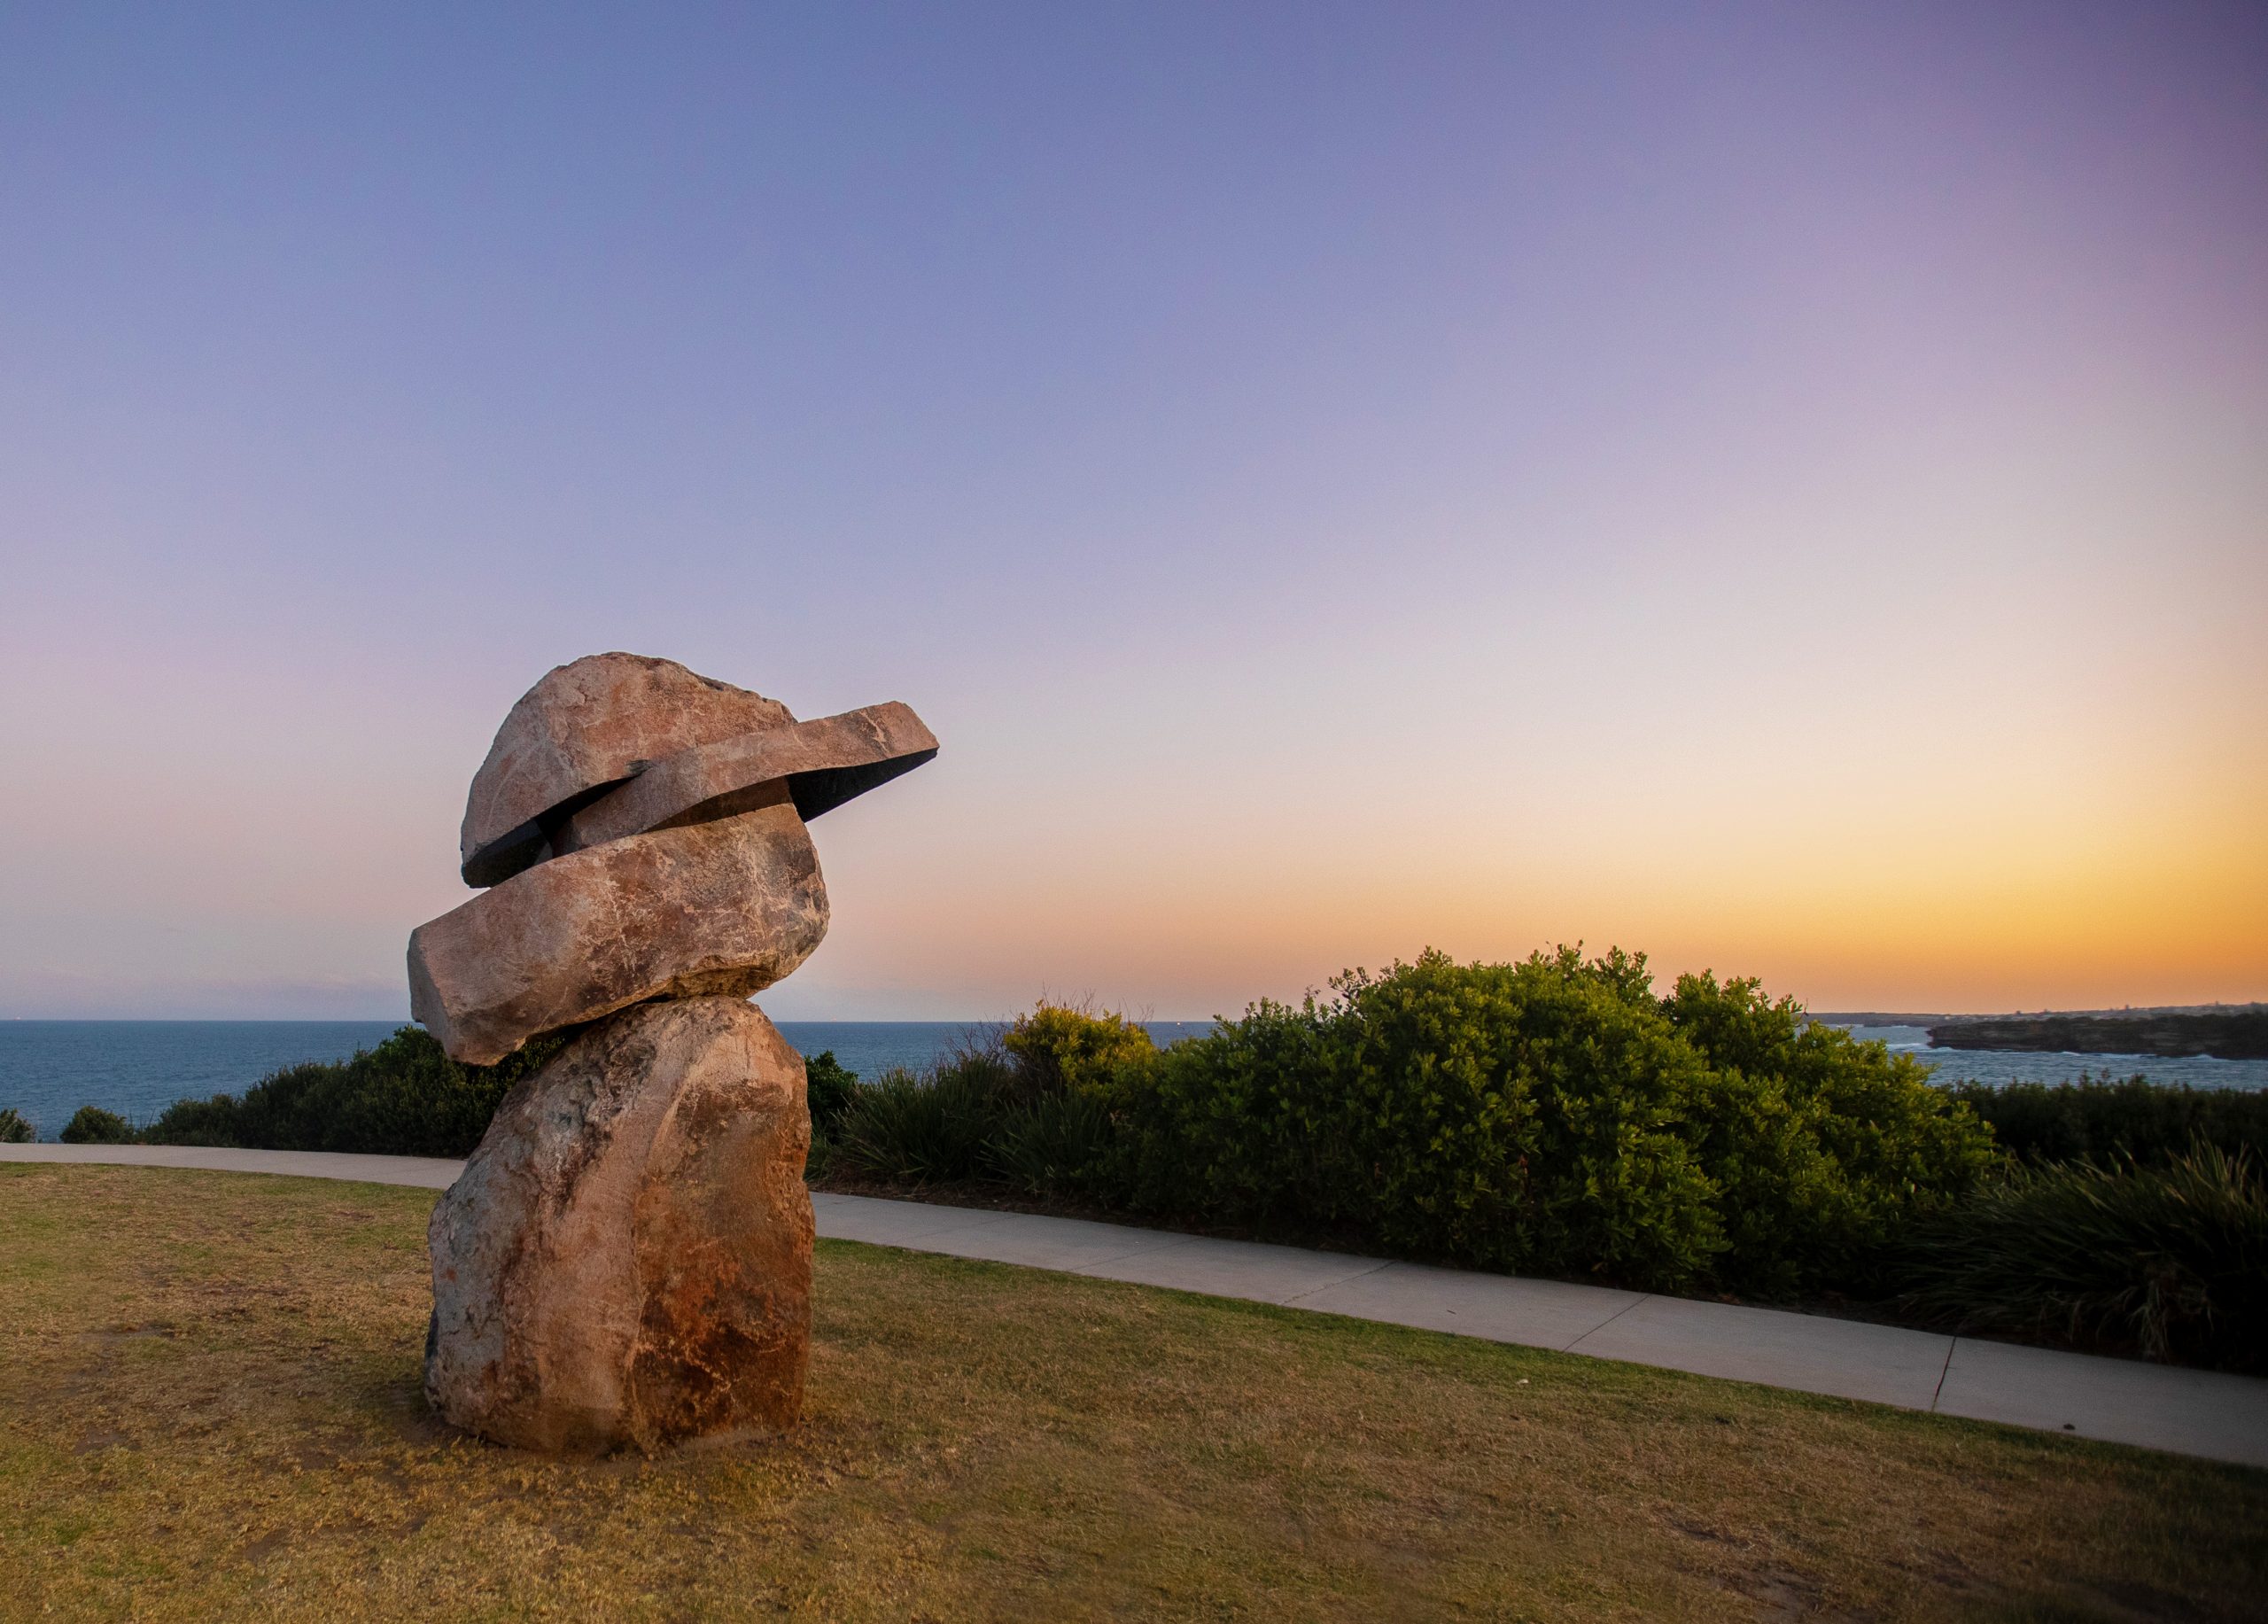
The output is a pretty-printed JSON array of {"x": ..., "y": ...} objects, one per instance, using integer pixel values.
[
  {"x": 1821, "y": 1146},
  {"x": 827, "y": 1089},
  {"x": 1550, "y": 1116},
  {"x": 90, "y": 1124},
  {"x": 2168, "y": 1260},
  {"x": 14, "y": 1129},
  {"x": 2101, "y": 1119},
  {"x": 405, "y": 1098},
  {"x": 197, "y": 1122},
  {"x": 1057, "y": 1047},
  {"x": 1513, "y": 1117}
]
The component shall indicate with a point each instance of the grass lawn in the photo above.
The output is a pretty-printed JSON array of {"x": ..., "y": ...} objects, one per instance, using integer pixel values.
[{"x": 210, "y": 1386}]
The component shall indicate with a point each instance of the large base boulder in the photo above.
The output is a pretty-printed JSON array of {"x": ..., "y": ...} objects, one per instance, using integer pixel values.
[{"x": 626, "y": 1259}]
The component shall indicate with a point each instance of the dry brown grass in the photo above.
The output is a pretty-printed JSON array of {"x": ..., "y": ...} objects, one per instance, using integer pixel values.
[{"x": 210, "y": 1386}]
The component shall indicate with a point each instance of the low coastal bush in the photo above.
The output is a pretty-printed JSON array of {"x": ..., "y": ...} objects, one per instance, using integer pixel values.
[
  {"x": 14, "y": 1128},
  {"x": 90, "y": 1124},
  {"x": 1026, "y": 1108},
  {"x": 1554, "y": 1117},
  {"x": 2169, "y": 1259},
  {"x": 929, "y": 1127},
  {"x": 404, "y": 1098},
  {"x": 827, "y": 1089},
  {"x": 2148, "y": 1122}
]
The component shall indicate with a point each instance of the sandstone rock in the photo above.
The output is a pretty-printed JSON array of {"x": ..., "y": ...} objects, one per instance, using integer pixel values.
[
  {"x": 584, "y": 726},
  {"x": 625, "y": 1260},
  {"x": 721, "y": 907},
  {"x": 626, "y": 1257},
  {"x": 825, "y": 763}
]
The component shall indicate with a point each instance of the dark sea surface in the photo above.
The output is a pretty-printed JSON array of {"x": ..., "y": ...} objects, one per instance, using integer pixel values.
[{"x": 49, "y": 1069}]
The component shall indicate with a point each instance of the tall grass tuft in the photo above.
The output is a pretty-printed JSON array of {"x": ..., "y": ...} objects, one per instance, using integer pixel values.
[
  {"x": 2104, "y": 1119},
  {"x": 1055, "y": 1145},
  {"x": 2169, "y": 1259},
  {"x": 910, "y": 1127}
]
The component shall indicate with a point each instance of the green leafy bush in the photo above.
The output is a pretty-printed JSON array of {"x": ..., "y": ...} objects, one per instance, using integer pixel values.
[
  {"x": 1057, "y": 1047},
  {"x": 90, "y": 1124},
  {"x": 405, "y": 1098},
  {"x": 1550, "y": 1116},
  {"x": 2101, "y": 1119},
  {"x": 827, "y": 1089},
  {"x": 14, "y": 1128},
  {"x": 2169, "y": 1259},
  {"x": 1821, "y": 1146}
]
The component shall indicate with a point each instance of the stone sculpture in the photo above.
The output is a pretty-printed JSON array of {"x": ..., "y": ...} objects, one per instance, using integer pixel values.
[{"x": 626, "y": 1258}]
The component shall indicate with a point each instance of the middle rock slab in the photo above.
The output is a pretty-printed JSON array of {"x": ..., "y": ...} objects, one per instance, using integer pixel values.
[{"x": 720, "y": 908}]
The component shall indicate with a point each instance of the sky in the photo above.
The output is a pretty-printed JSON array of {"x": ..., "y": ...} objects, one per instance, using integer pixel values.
[{"x": 1781, "y": 488}]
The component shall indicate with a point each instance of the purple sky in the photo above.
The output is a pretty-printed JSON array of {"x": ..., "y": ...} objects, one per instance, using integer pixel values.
[{"x": 1784, "y": 488}]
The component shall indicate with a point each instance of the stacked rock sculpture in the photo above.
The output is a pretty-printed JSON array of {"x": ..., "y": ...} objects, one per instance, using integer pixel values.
[{"x": 626, "y": 1258}]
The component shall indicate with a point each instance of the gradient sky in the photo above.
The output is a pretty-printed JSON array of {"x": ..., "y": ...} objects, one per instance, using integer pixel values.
[{"x": 1784, "y": 488}]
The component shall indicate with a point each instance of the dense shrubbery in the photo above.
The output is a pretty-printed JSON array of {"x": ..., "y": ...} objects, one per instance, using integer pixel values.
[
  {"x": 827, "y": 1086},
  {"x": 1552, "y": 1116},
  {"x": 90, "y": 1124},
  {"x": 2169, "y": 1259},
  {"x": 404, "y": 1098},
  {"x": 15, "y": 1129},
  {"x": 2148, "y": 1121}
]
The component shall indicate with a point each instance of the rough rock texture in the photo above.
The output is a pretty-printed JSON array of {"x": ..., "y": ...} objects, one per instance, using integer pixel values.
[
  {"x": 626, "y": 1258},
  {"x": 585, "y": 726},
  {"x": 728, "y": 907},
  {"x": 825, "y": 763}
]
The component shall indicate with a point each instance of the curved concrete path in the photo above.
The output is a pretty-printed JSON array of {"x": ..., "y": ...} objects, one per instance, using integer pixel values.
[{"x": 2157, "y": 1406}]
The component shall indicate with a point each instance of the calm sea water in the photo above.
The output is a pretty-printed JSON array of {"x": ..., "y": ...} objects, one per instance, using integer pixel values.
[
  {"x": 2001, "y": 1067},
  {"x": 49, "y": 1069}
]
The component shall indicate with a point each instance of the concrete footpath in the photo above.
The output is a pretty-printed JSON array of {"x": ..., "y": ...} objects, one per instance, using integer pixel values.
[{"x": 2157, "y": 1406}]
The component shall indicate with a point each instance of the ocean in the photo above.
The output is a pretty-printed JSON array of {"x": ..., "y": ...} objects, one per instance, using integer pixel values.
[
  {"x": 49, "y": 1069},
  {"x": 2001, "y": 1067}
]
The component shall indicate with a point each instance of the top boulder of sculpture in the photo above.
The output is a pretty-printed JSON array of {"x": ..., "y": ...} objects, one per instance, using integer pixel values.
[
  {"x": 641, "y": 826},
  {"x": 592, "y": 725}
]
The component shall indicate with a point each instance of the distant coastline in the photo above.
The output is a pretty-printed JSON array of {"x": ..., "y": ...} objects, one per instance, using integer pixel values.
[
  {"x": 2215, "y": 1031},
  {"x": 2225, "y": 1034}
]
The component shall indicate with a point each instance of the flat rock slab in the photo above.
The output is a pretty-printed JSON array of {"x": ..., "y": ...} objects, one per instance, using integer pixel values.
[
  {"x": 584, "y": 726},
  {"x": 625, "y": 1260},
  {"x": 721, "y": 908},
  {"x": 819, "y": 765}
]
